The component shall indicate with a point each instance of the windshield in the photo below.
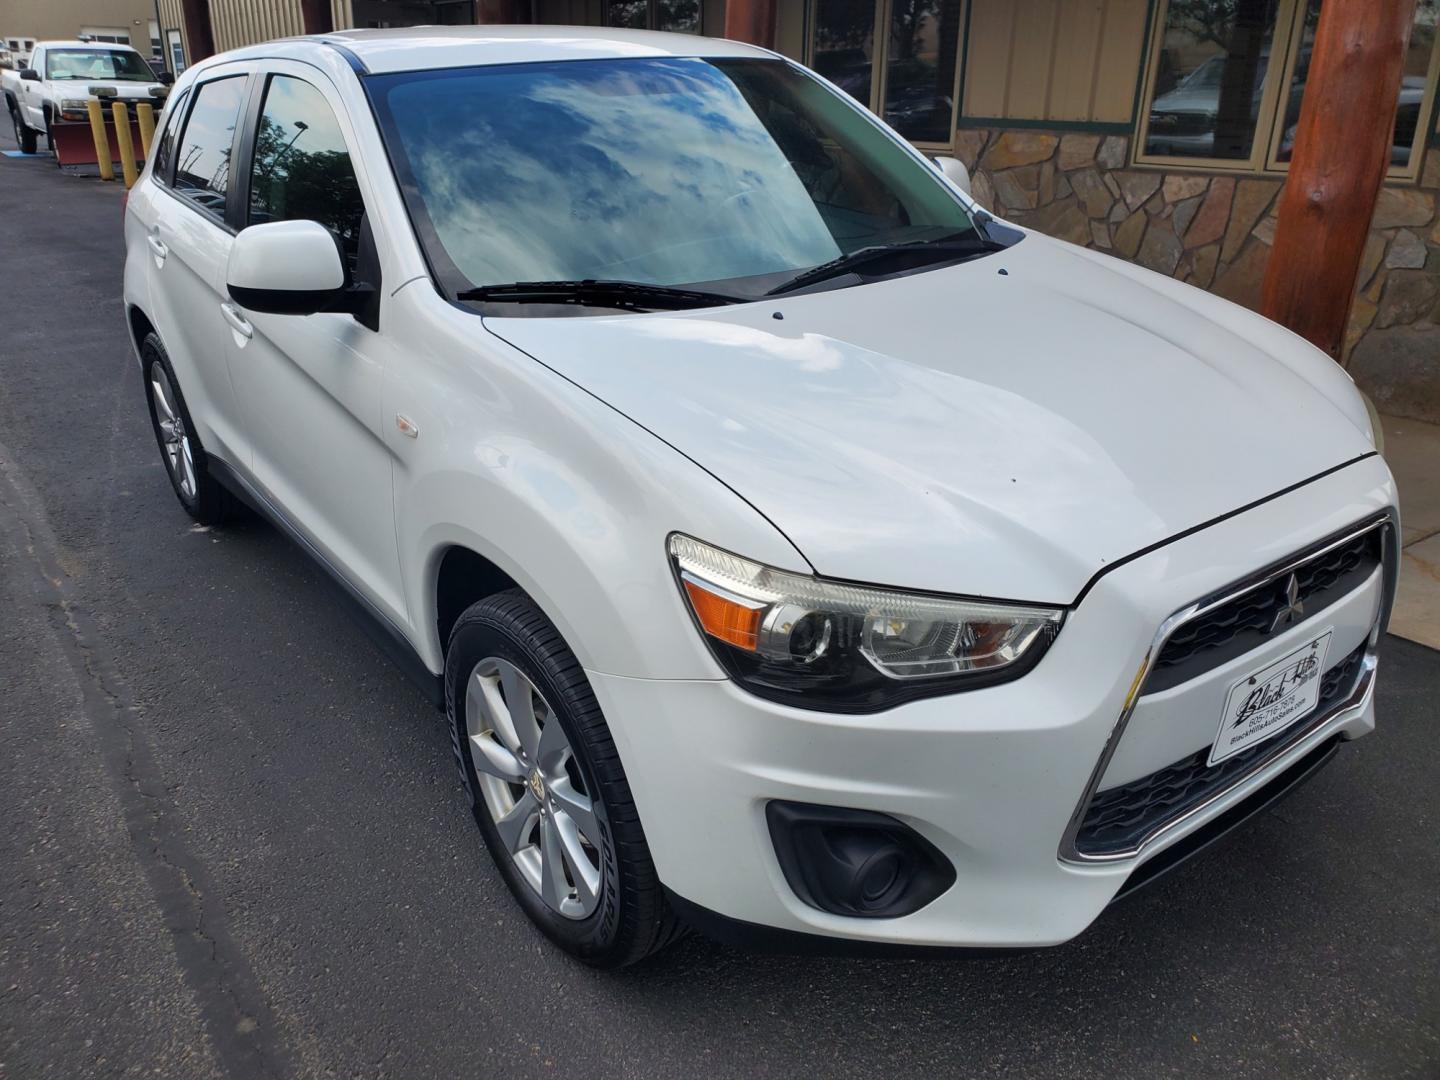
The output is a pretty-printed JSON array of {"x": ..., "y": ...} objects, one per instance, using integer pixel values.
[
  {"x": 111, "y": 64},
  {"x": 663, "y": 171}
]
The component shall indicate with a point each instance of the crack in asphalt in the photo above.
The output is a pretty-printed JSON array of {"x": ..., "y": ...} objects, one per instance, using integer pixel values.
[{"x": 242, "y": 1029}]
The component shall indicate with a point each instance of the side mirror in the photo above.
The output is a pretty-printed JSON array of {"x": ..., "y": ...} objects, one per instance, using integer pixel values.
[
  {"x": 954, "y": 170},
  {"x": 290, "y": 268},
  {"x": 29, "y": 75},
  {"x": 165, "y": 78}
]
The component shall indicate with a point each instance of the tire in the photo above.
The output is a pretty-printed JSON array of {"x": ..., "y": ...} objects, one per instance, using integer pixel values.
[
  {"x": 24, "y": 137},
  {"x": 504, "y": 646},
  {"x": 186, "y": 463},
  {"x": 50, "y": 137}
]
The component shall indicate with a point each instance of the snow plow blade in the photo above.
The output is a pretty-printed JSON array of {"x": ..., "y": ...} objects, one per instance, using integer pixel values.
[{"x": 75, "y": 145}]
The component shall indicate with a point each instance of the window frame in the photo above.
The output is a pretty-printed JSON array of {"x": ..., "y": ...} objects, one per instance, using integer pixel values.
[
  {"x": 170, "y": 120},
  {"x": 1270, "y": 123},
  {"x": 250, "y": 126},
  {"x": 226, "y": 220},
  {"x": 880, "y": 63}
]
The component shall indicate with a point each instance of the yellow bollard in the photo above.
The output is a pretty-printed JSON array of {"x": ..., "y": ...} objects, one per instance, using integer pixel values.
[
  {"x": 123, "y": 143},
  {"x": 145, "y": 114},
  {"x": 102, "y": 141}
]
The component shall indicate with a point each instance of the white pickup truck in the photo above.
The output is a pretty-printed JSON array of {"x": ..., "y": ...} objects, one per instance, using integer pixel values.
[{"x": 62, "y": 75}]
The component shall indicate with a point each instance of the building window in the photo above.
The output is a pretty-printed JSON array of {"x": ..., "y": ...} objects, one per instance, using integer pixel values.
[
  {"x": 898, "y": 57},
  {"x": 677, "y": 16},
  {"x": 1226, "y": 79}
]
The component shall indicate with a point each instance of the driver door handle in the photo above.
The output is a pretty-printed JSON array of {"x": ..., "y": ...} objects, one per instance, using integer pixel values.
[
  {"x": 238, "y": 322},
  {"x": 157, "y": 247}
]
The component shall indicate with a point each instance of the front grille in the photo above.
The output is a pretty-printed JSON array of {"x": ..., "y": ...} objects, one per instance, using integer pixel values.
[
  {"x": 1119, "y": 819},
  {"x": 1242, "y": 624}
]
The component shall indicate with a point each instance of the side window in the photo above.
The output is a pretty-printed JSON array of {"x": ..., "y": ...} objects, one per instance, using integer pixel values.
[
  {"x": 202, "y": 163},
  {"x": 301, "y": 168},
  {"x": 174, "y": 110}
]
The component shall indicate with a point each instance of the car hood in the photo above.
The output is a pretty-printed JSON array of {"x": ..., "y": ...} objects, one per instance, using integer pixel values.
[{"x": 1006, "y": 427}]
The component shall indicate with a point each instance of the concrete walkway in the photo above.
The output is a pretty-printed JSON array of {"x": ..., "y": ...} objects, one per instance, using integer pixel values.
[{"x": 1413, "y": 450}]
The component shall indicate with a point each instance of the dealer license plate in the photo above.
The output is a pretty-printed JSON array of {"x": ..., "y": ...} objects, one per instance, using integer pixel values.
[{"x": 1265, "y": 703}]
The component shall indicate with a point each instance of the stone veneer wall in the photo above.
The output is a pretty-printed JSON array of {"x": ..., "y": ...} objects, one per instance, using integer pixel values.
[{"x": 1216, "y": 231}]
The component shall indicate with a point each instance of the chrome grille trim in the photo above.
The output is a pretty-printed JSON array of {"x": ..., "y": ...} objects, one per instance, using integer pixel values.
[{"x": 1387, "y": 521}]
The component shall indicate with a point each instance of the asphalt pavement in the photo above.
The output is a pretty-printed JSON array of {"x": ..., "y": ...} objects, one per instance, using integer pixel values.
[{"x": 232, "y": 839}]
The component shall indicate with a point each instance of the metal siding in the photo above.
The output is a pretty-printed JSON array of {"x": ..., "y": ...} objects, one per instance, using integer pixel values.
[
  {"x": 1072, "y": 61},
  {"x": 1122, "y": 54},
  {"x": 1032, "y": 59},
  {"x": 987, "y": 60},
  {"x": 1072, "y": 80},
  {"x": 171, "y": 18},
  {"x": 791, "y": 21},
  {"x": 246, "y": 22}
]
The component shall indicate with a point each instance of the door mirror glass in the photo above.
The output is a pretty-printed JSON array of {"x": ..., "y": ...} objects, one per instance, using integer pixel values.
[
  {"x": 30, "y": 75},
  {"x": 165, "y": 79},
  {"x": 288, "y": 268},
  {"x": 954, "y": 170}
]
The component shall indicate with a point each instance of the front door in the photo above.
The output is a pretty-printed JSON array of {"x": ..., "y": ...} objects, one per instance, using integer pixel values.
[{"x": 309, "y": 386}]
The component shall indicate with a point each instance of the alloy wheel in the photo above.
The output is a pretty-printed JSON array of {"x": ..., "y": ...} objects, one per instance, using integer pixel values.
[
  {"x": 532, "y": 787},
  {"x": 174, "y": 439}
]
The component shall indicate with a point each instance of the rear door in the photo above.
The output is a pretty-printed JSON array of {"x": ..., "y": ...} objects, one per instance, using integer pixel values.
[
  {"x": 309, "y": 387},
  {"x": 188, "y": 240}
]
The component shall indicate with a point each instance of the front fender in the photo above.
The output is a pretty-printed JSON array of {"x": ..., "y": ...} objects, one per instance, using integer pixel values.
[{"x": 570, "y": 498}]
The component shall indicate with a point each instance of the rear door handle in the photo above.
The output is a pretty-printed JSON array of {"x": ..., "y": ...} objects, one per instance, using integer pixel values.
[
  {"x": 238, "y": 322},
  {"x": 157, "y": 247}
]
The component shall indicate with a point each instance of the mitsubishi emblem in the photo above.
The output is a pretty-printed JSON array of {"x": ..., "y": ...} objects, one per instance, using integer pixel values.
[{"x": 1294, "y": 609}]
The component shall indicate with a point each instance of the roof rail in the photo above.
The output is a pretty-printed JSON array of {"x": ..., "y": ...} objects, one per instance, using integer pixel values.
[{"x": 356, "y": 64}]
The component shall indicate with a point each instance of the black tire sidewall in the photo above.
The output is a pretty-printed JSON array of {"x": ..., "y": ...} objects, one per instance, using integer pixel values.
[
  {"x": 210, "y": 501},
  {"x": 485, "y": 631},
  {"x": 25, "y": 139}
]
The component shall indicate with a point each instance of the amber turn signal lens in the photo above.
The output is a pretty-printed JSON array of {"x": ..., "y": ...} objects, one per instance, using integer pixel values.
[{"x": 724, "y": 618}]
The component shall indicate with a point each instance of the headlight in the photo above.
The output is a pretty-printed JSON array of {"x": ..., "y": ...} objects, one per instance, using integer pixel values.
[
  {"x": 821, "y": 644},
  {"x": 76, "y": 105}
]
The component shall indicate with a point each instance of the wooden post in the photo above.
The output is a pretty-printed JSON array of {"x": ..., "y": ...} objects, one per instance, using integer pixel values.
[
  {"x": 199, "y": 36},
  {"x": 1342, "y": 150},
  {"x": 316, "y": 17},
  {"x": 751, "y": 21}
]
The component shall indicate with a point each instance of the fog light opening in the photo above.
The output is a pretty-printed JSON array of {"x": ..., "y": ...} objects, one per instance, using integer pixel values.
[{"x": 856, "y": 862}]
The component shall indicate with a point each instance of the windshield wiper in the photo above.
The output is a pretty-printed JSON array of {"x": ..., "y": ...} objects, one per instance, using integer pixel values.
[
  {"x": 631, "y": 295},
  {"x": 968, "y": 244}
]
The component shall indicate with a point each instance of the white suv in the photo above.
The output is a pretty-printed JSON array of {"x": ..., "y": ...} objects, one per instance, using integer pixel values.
[{"x": 799, "y": 551}]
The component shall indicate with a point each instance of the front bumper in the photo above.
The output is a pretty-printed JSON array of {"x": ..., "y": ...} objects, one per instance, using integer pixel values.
[{"x": 993, "y": 778}]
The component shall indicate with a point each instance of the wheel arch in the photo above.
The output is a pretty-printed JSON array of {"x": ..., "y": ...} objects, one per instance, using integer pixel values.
[
  {"x": 462, "y": 576},
  {"x": 139, "y": 324}
]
